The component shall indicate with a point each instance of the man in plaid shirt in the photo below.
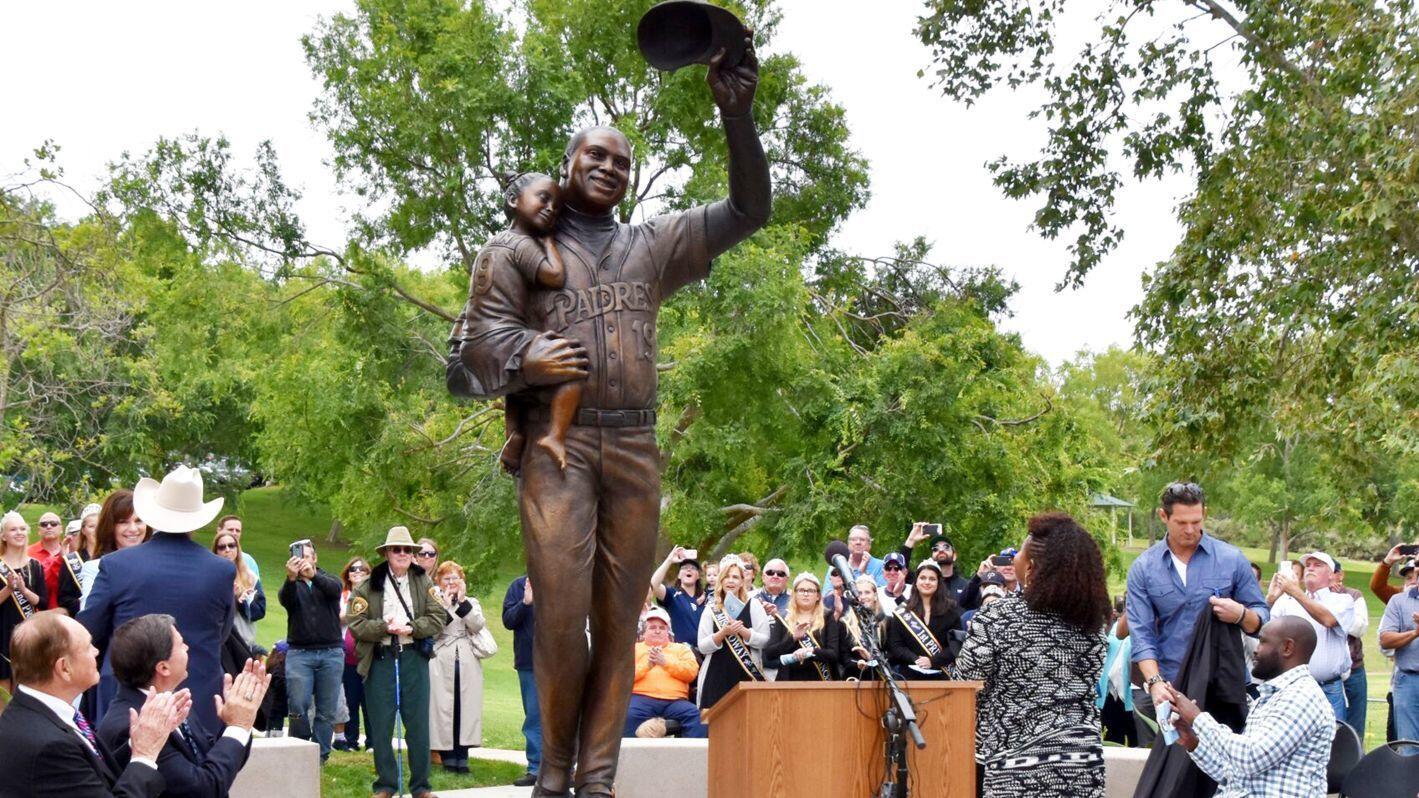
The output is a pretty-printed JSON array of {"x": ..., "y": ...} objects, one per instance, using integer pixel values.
[{"x": 1285, "y": 747}]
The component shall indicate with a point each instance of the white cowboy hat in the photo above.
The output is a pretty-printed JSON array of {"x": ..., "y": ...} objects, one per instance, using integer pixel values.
[
  {"x": 175, "y": 505},
  {"x": 397, "y": 536}
]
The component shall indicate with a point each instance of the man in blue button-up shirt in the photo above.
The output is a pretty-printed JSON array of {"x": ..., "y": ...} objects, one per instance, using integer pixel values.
[
  {"x": 1399, "y": 632},
  {"x": 1171, "y": 583}
]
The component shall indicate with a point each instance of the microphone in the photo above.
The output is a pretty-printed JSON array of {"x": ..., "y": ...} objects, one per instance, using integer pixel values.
[{"x": 836, "y": 555}]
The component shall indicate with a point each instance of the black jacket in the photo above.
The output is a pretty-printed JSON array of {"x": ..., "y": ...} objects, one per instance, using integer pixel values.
[
  {"x": 519, "y": 619},
  {"x": 781, "y": 642},
  {"x": 45, "y": 758},
  {"x": 313, "y": 613},
  {"x": 902, "y": 649},
  {"x": 204, "y": 772},
  {"x": 1214, "y": 674}
]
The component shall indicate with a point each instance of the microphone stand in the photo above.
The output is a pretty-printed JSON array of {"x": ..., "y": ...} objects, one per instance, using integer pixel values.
[{"x": 900, "y": 717}]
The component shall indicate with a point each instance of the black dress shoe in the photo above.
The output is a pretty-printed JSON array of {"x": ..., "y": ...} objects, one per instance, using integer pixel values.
[{"x": 525, "y": 780}]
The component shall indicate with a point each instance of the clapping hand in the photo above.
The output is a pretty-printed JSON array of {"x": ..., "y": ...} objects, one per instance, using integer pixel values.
[
  {"x": 656, "y": 656},
  {"x": 148, "y": 728},
  {"x": 241, "y": 697}
]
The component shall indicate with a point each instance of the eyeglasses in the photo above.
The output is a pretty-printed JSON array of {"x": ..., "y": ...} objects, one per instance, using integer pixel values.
[
  {"x": 400, "y": 550},
  {"x": 775, "y": 573},
  {"x": 807, "y": 591},
  {"x": 226, "y": 547},
  {"x": 49, "y": 523},
  {"x": 425, "y": 554},
  {"x": 359, "y": 569}
]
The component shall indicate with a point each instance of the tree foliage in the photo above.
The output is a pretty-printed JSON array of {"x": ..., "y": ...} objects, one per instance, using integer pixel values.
[{"x": 1299, "y": 262}]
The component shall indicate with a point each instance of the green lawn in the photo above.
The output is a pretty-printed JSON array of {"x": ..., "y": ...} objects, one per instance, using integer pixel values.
[{"x": 348, "y": 775}]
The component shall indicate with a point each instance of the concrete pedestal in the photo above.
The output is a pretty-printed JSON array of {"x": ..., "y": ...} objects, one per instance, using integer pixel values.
[{"x": 283, "y": 766}]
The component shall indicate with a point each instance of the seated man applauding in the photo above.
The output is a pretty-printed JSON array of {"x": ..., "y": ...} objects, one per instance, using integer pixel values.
[
  {"x": 48, "y": 748},
  {"x": 660, "y": 702},
  {"x": 148, "y": 654}
]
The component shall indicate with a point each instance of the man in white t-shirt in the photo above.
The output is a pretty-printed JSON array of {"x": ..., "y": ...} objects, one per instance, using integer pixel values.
[{"x": 1330, "y": 613}]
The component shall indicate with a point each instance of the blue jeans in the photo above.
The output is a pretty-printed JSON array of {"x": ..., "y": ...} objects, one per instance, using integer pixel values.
[
  {"x": 643, "y": 708},
  {"x": 1406, "y": 706},
  {"x": 1357, "y": 695},
  {"x": 320, "y": 670},
  {"x": 1335, "y": 692},
  {"x": 531, "y": 720}
]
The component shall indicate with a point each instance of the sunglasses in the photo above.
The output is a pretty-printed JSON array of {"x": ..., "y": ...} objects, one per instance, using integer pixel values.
[
  {"x": 892, "y": 568},
  {"x": 401, "y": 550},
  {"x": 775, "y": 573},
  {"x": 226, "y": 547},
  {"x": 49, "y": 523},
  {"x": 427, "y": 555},
  {"x": 941, "y": 546},
  {"x": 359, "y": 569}
]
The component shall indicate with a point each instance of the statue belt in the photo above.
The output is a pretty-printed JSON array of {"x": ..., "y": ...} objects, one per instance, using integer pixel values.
[{"x": 593, "y": 417}]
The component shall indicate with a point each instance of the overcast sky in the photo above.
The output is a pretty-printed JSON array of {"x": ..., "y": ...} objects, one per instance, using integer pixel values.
[{"x": 104, "y": 77}]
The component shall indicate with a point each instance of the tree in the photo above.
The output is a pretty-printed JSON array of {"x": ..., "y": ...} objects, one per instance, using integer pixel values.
[{"x": 1300, "y": 250}]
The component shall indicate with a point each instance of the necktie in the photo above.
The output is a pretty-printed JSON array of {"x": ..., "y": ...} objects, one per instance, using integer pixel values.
[
  {"x": 85, "y": 729},
  {"x": 186, "y": 732}
]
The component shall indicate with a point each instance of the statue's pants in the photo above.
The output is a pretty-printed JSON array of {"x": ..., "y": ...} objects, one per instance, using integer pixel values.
[{"x": 590, "y": 535}]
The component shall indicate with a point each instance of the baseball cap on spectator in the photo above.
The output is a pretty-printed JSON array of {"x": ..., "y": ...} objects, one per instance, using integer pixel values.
[
  {"x": 658, "y": 612},
  {"x": 73, "y": 527},
  {"x": 691, "y": 562},
  {"x": 1321, "y": 557},
  {"x": 895, "y": 558},
  {"x": 992, "y": 578},
  {"x": 935, "y": 539},
  {"x": 1010, "y": 552}
]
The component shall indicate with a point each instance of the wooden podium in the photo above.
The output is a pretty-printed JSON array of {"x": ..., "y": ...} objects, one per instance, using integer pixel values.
[{"x": 825, "y": 739}]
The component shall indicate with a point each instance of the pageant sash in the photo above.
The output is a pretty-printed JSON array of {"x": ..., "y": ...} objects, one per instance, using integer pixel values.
[
  {"x": 73, "y": 565},
  {"x": 21, "y": 603},
  {"x": 812, "y": 642},
  {"x": 918, "y": 631},
  {"x": 736, "y": 645}
]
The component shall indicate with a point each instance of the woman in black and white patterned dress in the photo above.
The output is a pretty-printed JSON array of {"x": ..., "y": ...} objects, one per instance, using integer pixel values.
[{"x": 1040, "y": 655}]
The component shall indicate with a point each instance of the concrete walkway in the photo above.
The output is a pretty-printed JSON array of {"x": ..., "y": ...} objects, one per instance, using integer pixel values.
[
  {"x": 499, "y": 755},
  {"x": 488, "y": 792}
]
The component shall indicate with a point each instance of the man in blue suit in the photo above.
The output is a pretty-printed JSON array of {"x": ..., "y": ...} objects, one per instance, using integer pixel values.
[
  {"x": 149, "y": 653},
  {"x": 170, "y": 575}
]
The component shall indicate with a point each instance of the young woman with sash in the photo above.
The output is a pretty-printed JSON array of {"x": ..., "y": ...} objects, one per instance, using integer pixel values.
[
  {"x": 22, "y": 588},
  {"x": 920, "y": 643},
  {"x": 852, "y": 654},
  {"x": 733, "y": 633},
  {"x": 804, "y": 644}
]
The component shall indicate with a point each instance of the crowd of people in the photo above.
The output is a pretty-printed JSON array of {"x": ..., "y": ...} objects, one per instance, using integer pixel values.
[{"x": 135, "y": 688}]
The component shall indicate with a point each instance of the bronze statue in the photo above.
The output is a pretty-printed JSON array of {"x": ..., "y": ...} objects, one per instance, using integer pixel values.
[{"x": 589, "y": 523}]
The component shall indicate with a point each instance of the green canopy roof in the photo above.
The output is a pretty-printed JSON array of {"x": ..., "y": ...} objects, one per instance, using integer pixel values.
[{"x": 1105, "y": 500}]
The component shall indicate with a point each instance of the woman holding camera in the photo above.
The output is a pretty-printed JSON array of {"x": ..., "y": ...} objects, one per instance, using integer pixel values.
[
  {"x": 456, "y": 671},
  {"x": 394, "y": 617}
]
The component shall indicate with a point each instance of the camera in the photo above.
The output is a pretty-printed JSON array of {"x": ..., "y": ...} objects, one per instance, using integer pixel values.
[{"x": 1001, "y": 560}]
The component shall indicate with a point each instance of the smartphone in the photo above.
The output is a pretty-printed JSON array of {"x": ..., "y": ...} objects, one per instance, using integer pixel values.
[
  {"x": 692, "y": 554},
  {"x": 1409, "y": 549},
  {"x": 1285, "y": 569},
  {"x": 298, "y": 548},
  {"x": 931, "y": 529},
  {"x": 1000, "y": 560}
]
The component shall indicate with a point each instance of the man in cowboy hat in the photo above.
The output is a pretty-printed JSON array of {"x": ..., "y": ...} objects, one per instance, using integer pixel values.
[
  {"x": 394, "y": 616},
  {"x": 169, "y": 575}
]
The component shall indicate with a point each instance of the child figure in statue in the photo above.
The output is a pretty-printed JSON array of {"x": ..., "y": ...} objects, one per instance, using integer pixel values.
[{"x": 516, "y": 261}]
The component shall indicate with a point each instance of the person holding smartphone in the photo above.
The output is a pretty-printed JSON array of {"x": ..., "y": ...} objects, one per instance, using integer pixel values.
[
  {"x": 942, "y": 551},
  {"x": 1003, "y": 565},
  {"x": 685, "y": 600},
  {"x": 315, "y": 662},
  {"x": 1379, "y": 582}
]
